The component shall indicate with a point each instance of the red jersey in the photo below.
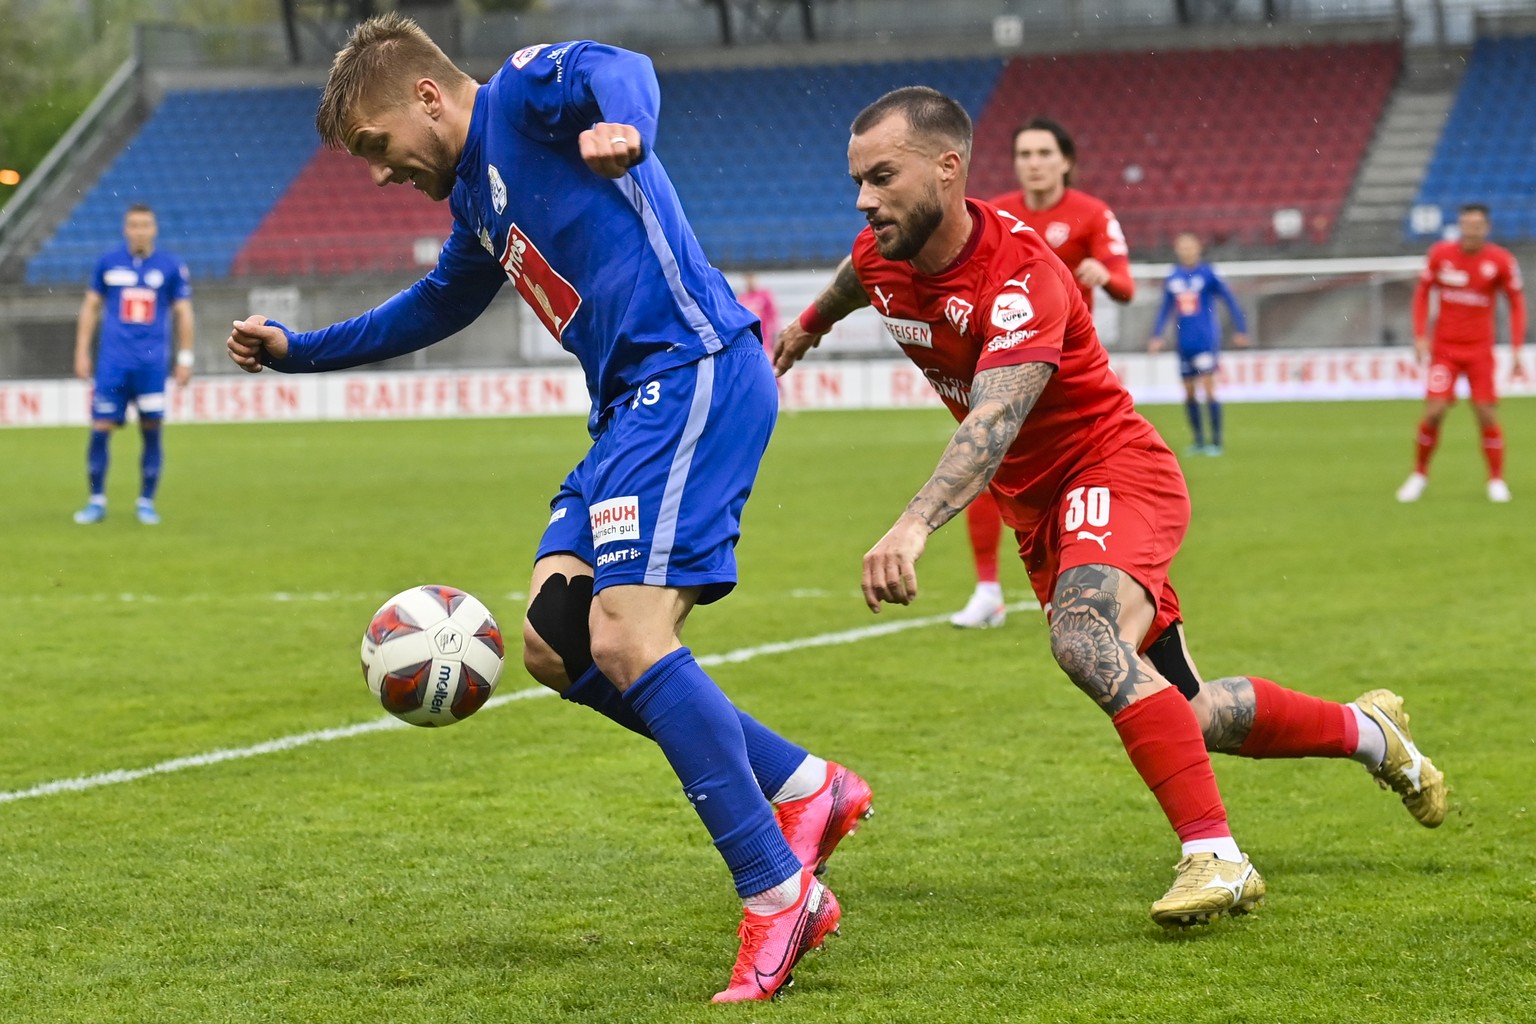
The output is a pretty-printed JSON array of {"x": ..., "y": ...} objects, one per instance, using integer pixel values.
[
  {"x": 1005, "y": 301},
  {"x": 1468, "y": 283},
  {"x": 1077, "y": 227}
]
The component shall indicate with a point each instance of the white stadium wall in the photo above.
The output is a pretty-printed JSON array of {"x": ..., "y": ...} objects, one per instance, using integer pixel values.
[{"x": 819, "y": 383}]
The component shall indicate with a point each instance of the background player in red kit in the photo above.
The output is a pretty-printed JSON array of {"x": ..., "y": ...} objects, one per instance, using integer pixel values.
[
  {"x": 996, "y": 322},
  {"x": 1469, "y": 273},
  {"x": 1084, "y": 232}
]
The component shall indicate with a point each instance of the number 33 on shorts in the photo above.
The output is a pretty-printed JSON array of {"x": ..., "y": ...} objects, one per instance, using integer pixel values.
[{"x": 1087, "y": 507}]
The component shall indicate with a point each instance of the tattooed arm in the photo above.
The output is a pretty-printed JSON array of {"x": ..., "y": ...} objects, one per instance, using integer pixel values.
[
  {"x": 1000, "y": 400},
  {"x": 842, "y": 296}
]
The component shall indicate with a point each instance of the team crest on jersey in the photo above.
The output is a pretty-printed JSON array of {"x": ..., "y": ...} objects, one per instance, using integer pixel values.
[
  {"x": 958, "y": 312},
  {"x": 521, "y": 58},
  {"x": 1057, "y": 233},
  {"x": 153, "y": 278},
  {"x": 1489, "y": 268},
  {"x": 553, "y": 299},
  {"x": 1012, "y": 309},
  {"x": 498, "y": 188}
]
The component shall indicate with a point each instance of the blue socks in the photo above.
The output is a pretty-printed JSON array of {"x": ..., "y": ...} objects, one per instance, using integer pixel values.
[
  {"x": 96, "y": 461},
  {"x": 149, "y": 463},
  {"x": 1214, "y": 408},
  {"x": 700, "y": 732},
  {"x": 1192, "y": 410},
  {"x": 772, "y": 757}
]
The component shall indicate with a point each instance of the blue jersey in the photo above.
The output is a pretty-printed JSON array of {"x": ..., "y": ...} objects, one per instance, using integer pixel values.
[
  {"x": 137, "y": 293},
  {"x": 1192, "y": 292},
  {"x": 611, "y": 268}
]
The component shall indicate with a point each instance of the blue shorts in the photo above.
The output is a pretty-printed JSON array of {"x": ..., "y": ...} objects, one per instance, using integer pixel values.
[
  {"x": 116, "y": 386},
  {"x": 1199, "y": 362},
  {"x": 658, "y": 498}
]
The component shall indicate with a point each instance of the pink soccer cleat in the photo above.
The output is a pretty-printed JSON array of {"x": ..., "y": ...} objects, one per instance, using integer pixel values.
[
  {"x": 815, "y": 825},
  {"x": 771, "y": 944}
]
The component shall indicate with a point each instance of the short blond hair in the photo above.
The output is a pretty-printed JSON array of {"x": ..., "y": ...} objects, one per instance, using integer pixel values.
[{"x": 385, "y": 54}]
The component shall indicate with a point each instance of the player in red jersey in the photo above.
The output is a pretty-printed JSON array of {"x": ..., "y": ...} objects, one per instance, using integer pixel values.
[
  {"x": 1469, "y": 273},
  {"x": 997, "y": 324},
  {"x": 1084, "y": 232}
]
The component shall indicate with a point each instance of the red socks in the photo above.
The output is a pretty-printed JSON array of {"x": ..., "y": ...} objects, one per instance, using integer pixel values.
[
  {"x": 1162, "y": 737},
  {"x": 1429, "y": 436},
  {"x": 1493, "y": 451},
  {"x": 1291, "y": 724},
  {"x": 985, "y": 522}
]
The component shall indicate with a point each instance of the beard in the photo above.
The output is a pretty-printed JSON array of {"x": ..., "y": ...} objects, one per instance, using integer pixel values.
[
  {"x": 437, "y": 180},
  {"x": 910, "y": 236}
]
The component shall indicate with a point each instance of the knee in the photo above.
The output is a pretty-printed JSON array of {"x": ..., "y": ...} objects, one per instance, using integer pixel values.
[
  {"x": 1089, "y": 659},
  {"x": 540, "y": 659},
  {"x": 557, "y": 647}
]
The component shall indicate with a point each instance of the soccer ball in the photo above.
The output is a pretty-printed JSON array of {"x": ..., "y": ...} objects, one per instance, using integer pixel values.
[{"x": 432, "y": 655}]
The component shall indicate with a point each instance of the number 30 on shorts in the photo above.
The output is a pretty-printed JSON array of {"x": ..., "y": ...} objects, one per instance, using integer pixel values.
[{"x": 1086, "y": 506}]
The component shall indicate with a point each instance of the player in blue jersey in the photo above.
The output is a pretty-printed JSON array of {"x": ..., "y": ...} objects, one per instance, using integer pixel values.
[
  {"x": 1191, "y": 290},
  {"x": 550, "y": 171},
  {"x": 134, "y": 295}
]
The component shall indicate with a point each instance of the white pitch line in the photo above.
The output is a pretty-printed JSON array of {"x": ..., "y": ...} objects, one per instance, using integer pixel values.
[{"x": 303, "y": 739}]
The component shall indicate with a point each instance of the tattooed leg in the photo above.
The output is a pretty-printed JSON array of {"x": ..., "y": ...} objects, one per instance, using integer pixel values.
[
  {"x": 1226, "y": 709},
  {"x": 1098, "y": 617}
]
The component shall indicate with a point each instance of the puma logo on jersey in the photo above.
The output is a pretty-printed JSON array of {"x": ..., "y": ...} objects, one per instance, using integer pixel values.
[
  {"x": 1085, "y": 535},
  {"x": 885, "y": 300}
]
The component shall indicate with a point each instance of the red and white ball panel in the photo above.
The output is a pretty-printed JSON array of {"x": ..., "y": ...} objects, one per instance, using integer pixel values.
[{"x": 432, "y": 655}]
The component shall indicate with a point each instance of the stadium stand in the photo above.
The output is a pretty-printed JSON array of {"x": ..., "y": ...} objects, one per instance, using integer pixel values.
[
  {"x": 1213, "y": 140},
  {"x": 211, "y": 163},
  {"x": 1484, "y": 153}
]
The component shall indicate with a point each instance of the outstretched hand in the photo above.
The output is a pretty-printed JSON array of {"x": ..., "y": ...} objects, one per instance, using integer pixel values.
[
  {"x": 791, "y": 346},
  {"x": 250, "y": 337},
  {"x": 890, "y": 567}
]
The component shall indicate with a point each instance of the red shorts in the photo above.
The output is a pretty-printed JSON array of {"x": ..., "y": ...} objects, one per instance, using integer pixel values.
[
  {"x": 1130, "y": 511},
  {"x": 1447, "y": 362}
]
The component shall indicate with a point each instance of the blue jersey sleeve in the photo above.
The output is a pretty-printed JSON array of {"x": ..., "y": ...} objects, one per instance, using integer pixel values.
[
  {"x": 1164, "y": 309},
  {"x": 98, "y": 283},
  {"x": 441, "y": 304},
  {"x": 181, "y": 283},
  {"x": 1239, "y": 324},
  {"x": 565, "y": 89}
]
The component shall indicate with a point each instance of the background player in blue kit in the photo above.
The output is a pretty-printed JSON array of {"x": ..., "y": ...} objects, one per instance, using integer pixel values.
[
  {"x": 1192, "y": 290},
  {"x": 135, "y": 293},
  {"x": 549, "y": 171}
]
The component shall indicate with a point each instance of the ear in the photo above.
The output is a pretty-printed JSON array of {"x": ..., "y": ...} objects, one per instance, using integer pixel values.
[
  {"x": 430, "y": 95},
  {"x": 951, "y": 166}
]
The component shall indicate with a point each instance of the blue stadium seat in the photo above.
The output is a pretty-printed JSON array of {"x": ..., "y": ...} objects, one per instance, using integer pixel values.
[
  {"x": 210, "y": 162},
  {"x": 1485, "y": 153}
]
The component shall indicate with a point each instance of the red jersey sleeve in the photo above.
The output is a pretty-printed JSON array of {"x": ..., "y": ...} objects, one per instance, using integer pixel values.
[
  {"x": 1026, "y": 318},
  {"x": 1421, "y": 295},
  {"x": 1514, "y": 290},
  {"x": 1110, "y": 249}
]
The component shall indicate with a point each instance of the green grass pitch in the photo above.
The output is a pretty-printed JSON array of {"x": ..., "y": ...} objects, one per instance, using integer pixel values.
[{"x": 539, "y": 864}]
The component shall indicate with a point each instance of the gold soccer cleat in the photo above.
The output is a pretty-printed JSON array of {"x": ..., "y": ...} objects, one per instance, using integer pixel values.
[
  {"x": 1206, "y": 888},
  {"x": 1405, "y": 771}
]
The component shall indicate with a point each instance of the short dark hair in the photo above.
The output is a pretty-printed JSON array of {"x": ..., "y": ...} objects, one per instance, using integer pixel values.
[
  {"x": 1063, "y": 139},
  {"x": 929, "y": 113},
  {"x": 138, "y": 208},
  {"x": 1481, "y": 208}
]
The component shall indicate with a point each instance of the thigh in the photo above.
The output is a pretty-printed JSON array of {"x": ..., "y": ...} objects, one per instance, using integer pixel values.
[
  {"x": 1479, "y": 368},
  {"x": 1129, "y": 512},
  {"x": 665, "y": 486},
  {"x": 110, "y": 395},
  {"x": 147, "y": 386},
  {"x": 1440, "y": 381}
]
